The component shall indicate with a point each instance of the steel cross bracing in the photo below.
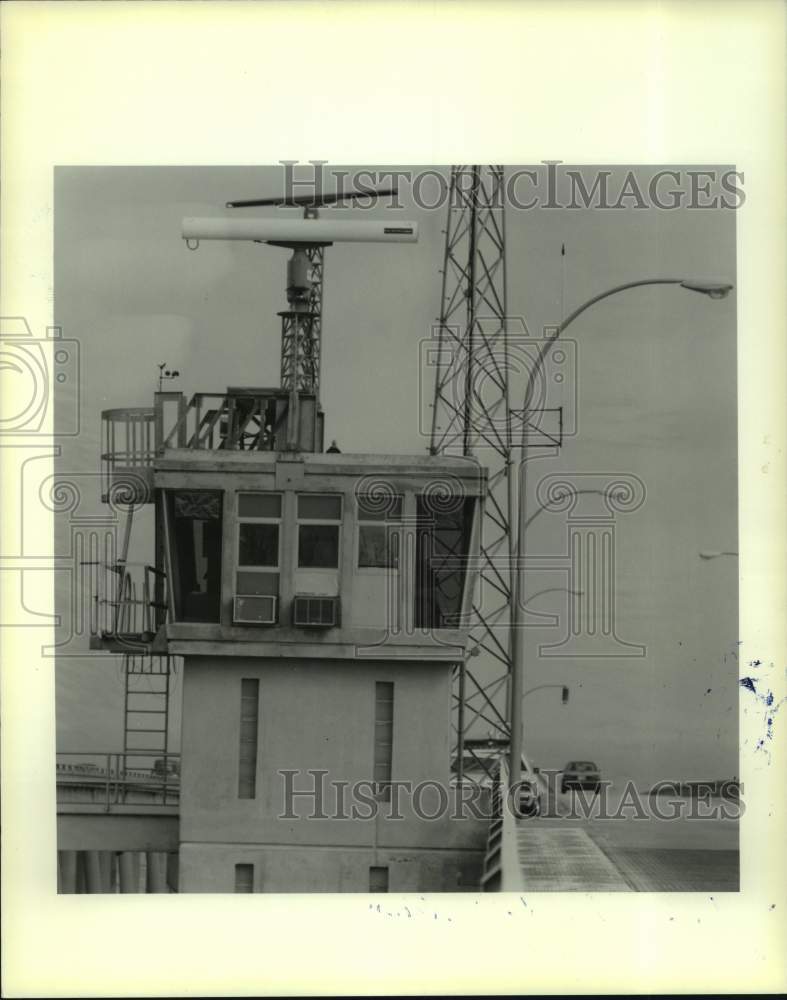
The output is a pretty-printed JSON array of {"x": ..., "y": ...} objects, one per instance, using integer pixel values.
[
  {"x": 301, "y": 333},
  {"x": 316, "y": 257},
  {"x": 472, "y": 416},
  {"x": 299, "y": 352}
]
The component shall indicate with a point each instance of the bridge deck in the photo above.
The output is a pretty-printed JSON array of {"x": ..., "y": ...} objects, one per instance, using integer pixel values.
[{"x": 557, "y": 860}]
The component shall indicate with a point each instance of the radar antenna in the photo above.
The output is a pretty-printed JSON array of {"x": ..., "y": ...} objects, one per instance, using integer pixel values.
[{"x": 301, "y": 343}]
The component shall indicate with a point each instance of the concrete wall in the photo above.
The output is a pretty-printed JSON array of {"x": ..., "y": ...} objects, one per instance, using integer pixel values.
[
  {"x": 83, "y": 831},
  {"x": 318, "y": 715},
  {"x": 211, "y": 868}
]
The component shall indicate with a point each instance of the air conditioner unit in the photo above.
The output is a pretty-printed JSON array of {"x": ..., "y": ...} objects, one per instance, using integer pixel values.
[
  {"x": 310, "y": 611},
  {"x": 254, "y": 610}
]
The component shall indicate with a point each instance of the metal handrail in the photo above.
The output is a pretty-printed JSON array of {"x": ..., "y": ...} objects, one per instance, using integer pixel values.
[
  {"x": 116, "y": 778},
  {"x": 133, "y": 436},
  {"x": 196, "y": 425},
  {"x": 194, "y": 406},
  {"x": 492, "y": 873},
  {"x": 129, "y": 605}
]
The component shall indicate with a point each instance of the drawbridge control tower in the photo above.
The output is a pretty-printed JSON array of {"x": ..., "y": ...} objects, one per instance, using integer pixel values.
[{"x": 319, "y": 602}]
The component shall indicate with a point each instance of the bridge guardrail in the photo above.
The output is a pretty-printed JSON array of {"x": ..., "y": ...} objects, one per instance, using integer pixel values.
[{"x": 110, "y": 777}]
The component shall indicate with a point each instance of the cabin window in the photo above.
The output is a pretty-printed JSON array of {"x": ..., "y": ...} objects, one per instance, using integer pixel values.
[
  {"x": 259, "y": 544},
  {"x": 378, "y": 532},
  {"x": 195, "y": 545},
  {"x": 319, "y": 525},
  {"x": 442, "y": 543}
]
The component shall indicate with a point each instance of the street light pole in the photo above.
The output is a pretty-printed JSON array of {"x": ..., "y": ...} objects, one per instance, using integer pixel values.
[{"x": 714, "y": 290}]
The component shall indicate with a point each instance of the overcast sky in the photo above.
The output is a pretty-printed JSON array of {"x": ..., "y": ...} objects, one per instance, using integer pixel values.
[{"x": 656, "y": 386}]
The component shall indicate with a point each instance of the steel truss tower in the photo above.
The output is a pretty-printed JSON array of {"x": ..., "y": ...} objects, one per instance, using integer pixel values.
[
  {"x": 301, "y": 333},
  {"x": 472, "y": 416}
]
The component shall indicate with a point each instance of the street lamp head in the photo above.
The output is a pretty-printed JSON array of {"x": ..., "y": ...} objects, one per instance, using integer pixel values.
[{"x": 713, "y": 289}]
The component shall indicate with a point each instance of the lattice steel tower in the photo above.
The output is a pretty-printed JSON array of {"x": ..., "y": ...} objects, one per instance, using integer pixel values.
[{"x": 472, "y": 416}]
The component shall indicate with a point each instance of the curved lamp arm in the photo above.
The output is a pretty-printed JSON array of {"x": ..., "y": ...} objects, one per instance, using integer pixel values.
[
  {"x": 713, "y": 289},
  {"x": 540, "y": 687}
]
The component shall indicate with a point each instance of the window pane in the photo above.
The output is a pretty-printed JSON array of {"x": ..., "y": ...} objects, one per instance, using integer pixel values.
[
  {"x": 257, "y": 584},
  {"x": 317, "y": 507},
  {"x": 318, "y": 546},
  {"x": 442, "y": 540},
  {"x": 385, "y": 508},
  {"x": 259, "y": 505},
  {"x": 258, "y": 545},
  {"x": 195, "y": 539},
  {"x": 378, "y": 546}
]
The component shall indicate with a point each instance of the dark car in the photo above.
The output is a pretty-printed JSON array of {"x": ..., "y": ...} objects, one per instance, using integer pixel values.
[{"x": 581, "y": 774}]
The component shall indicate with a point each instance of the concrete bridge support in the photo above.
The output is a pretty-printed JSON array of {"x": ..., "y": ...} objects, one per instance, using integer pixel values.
[{"x": 117, "y": 871}]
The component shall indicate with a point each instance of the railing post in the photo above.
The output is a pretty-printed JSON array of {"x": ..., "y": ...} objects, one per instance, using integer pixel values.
[
  {"x": 146, "y": 608},
  {"x": 460, "y": 724},
  {"x": 158, "y": 420},
  {"x": 182, "y": 411},
  {"x": 197, "y": 418},
  {"x": 230, "y": 442}
]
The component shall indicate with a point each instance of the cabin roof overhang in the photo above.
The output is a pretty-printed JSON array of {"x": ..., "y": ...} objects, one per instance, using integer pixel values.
[{"x": 295, "y": 468}]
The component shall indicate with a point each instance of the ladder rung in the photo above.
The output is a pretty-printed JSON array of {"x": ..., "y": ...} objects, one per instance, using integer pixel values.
[{"x": 131, "y": 731}]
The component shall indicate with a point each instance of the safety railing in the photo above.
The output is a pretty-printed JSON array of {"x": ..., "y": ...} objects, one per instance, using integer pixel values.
[
  {"x": 129, "y": 436},
  {"x": 232, "y": 421},
  {"x": 502, "y": 870},
  {"x": 130, "y": 599},
  {"x": 128, "y": 449},
  {"x": 492, "y": 872},
  {"x": 236, "y": 420},
  {"x": 119, "y": 778}
]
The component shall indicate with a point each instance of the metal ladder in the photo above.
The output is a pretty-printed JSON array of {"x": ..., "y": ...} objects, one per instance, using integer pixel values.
[{"x": 146, "y": 708}]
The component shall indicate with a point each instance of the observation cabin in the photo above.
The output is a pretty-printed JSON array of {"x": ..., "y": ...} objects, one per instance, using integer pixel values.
[{"x": 261, "y": 548}]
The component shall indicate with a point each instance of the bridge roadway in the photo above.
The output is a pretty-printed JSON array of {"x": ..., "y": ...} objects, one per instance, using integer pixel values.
[
  {"x": 566, "y": 850},
  {"x": 124, "y": 835}
]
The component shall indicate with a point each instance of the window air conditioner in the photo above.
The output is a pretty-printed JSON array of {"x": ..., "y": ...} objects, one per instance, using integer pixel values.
[
  {"x": 254, "y": 610},
  {"x": 309, "y": 611}
]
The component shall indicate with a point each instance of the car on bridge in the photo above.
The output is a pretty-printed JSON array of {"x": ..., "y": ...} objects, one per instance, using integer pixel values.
[{"x": 583, "y": 774}]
